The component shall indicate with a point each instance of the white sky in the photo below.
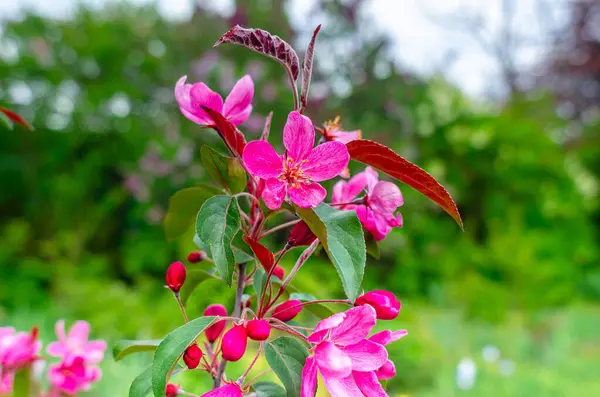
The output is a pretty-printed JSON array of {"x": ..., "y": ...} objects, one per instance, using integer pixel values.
[{"x": 420, "y": 43}]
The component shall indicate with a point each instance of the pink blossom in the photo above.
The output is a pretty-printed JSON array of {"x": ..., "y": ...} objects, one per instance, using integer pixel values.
[
  {"x": 384, "y": 302},
  {"x": 71, "y": 376},
  {"x": 332, "y": 131},
  {"x": 6, "y": 382},
  {"x": 237, "y": 106},
  {"x": 76, "y": 343},
  {"x": 387, "y": 370},
  {"x": 18, "y": 349},
  {"x": 376, "y": 209},
  {"x": 229, "y": 390},
  {"x": 297, "y": 172}
]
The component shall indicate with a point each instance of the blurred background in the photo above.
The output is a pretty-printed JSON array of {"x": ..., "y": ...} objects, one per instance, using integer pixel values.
[{"x": 498, "y": 99}]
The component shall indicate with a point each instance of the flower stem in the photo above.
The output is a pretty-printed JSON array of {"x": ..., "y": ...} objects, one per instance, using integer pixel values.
[
  {"x": 279, "y": 227},
  {"x": 316, "y": 302},
  {"x": 254, "y": 379},
  {"x": 178, "y": 299},
  {"x": 243, "y": 377},
  {"x": 294, "y": 89},
  {"x": 261, "y": 307}
]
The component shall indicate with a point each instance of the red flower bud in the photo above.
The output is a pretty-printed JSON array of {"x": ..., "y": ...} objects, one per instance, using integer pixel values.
[
  {"x": 301, "y": 235},
  {"x": 196, "y": 256},
  {"x": 384, "y": 302},
  {"x": 176, "y": 276},
  {"x": 192, "y": 356},
  {"x": 279, "y": 272},
  {"x": 172, "y": 390},
  {"x": 246, "y": 302},
  {"x": 287, "y": 310},
  {"x": 258, "y": 329},
  {"x": 214, "y": 331},
  {"x": 234, "y": 342}
]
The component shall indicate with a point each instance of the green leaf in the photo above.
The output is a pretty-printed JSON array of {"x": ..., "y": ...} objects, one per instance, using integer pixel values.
[
  {"x": 240, "y": 255},
  {"x": 286, "y": 357},
  {"x": 268, "y": 389},
  {"x": 22, "y": 383},
  {"x": 183, "y": 207},
  {"x": 142, "y": 384},
  {"x": 342, "y": 236},
  {"x": 194, "y": 278},
  {"x": 217, "y": 223},
  {"x": 124, "y": 348},
  {"x": 225, "y": 171},
  {"x": 301, "y": 296},
  {"x": 372, "y": 245},
  {"x": 171, "y": 348}
]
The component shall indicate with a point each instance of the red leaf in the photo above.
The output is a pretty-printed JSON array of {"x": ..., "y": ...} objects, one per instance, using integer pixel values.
[
  {"x": 265, "y": 43},
  {"x": 264, "y": 256},
  {"x": 16, "y": 118},
  {"x": 307, "y": 66},
  {"x": 388, "y": 161},
  {"x": 234, "y": 139}
]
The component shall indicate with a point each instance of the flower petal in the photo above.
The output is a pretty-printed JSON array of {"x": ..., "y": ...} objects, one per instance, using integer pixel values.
[
  {"x": 356, "y": 325},
  {"x": 239, "y": 100},
  {"x": 57, "y": 349},
  {"x": 323, "y": 327},
  {"x": 229, "y": 390},
  {"x": 298, "y": 136},
  {"x": 309, "y": 378},
  {"x": 387, "y": 336},
  {"x": 274, "y": 193},
  {"x": 385, "y": 198},
  {"x": 347, "y": 136},
  {"x": 200, "y": 94},
  {"x": 356, "y": 185},
  {"x": 326, "y": 161},
  {"x": 367, "y": 383},
  {"x": 59, "y": 327},
  {"x": 338, "y": 192},
  {"x": 79, "y": 332},
  {"x": 307, "y": 195},
  {"x": 342, "y": 387},
  {"x": 182, "y": 94},
  {"x": 332, "y": 361},
  {"x": 387, "y": 371},
  {"x": 262, "y": 160},
  {"x": 366, "y": 355},
  {"x": 94, "y": 351},
  {"x": 376, "y": 225}
]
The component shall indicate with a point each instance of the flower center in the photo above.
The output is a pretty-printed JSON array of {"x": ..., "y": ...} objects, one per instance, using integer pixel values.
[{"x": 293, "y": 173}]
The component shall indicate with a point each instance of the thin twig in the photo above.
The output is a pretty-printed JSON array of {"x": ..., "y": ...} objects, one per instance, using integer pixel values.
[
  {"x": 278, "y": 227},
  {"x": 243, "y": 377}
]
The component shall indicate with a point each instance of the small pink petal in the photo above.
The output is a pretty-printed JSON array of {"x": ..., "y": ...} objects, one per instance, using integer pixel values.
[
  {"x": 366, "y": 355},
  {"x": 347, "y": 136},
  {"x": 182, "y": 95},
  {"x": 307, "y": 195},
  {"x": 242, "y": 116},
  {"x": 396, "y": 221},
  {"x": 387, "y": 336},
  {"x": 385, "y": 198},
  {"x": 387, "y": 371},
  {"x": 239, "y": 100},
  {"x": 324, "y": 326},
  {"x": 332, "y": 361},
  {"x": 356, "y": 185},
  {"x": 378, "y": 228},
  {"x": 94, "y": 351},
  {"x": 372, "y": 178},
  {"x": 298, "y": 136},
  {"x": 356, "y": 326},
  {"x": 79, "y": 332},
  {"x": 57, "y": 349},
  {"x": 59, "y": 327},
  {"x": 274, "y": 193},
  {"x": 367, "y": 383},
  {"x": 309, "y": 378},
  {"x": 201, "y": 95},
  {"x": 229, "y": 390},
  {"x": 342, "y": 387},
  {"x": 326, "y": 161},
  {"x": 262, "y": 160}
]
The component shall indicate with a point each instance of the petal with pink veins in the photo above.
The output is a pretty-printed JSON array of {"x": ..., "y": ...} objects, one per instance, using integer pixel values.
[
  {"x": 385, "y": 198},
  {"x": 387, "y": 371},
  {"x": 309, "y": 378},
  {"x": 356, "y": 185},
  {"x": 324, "y": 326},
  {"x": 307, "y": 195},
  {"x": 326, "y": 161},
  {"x": 274, "y": 193},
  {"x": 332, "y": 361},
  {"x": 366, "y": 355},
  {"x": 262, "y": 160},
  {"x": 240, "y": 117},
  {"x": 367, "y": 383},
  {"x": 338, "y": 192},
  {"x": 298, "y": 136},
  {"x": 356, "y": 326},
  {"x": 239, "y": 100},
  {"x": 387, "y": 336},
  {"x": 201, "y": 95},
  {"x": 342, "y": 387}
]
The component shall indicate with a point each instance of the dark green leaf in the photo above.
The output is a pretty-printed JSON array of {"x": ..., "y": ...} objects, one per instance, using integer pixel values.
[
  {"x": 171, "y": 348},
  {"x": 225, "y": 171},
  {"x": 342, "y": 236},
  {"x": 183, "y": 207},
  {"x": 124, "y": 348},
  {"x": 217, "y": 223},
  {"x": 142, "y": 384},
  {"x": 268, "y": 389},
  {"x": 372, "y": 245},
  {"x": 193, "y": 279},
  {"x": 286, "y": 357}
]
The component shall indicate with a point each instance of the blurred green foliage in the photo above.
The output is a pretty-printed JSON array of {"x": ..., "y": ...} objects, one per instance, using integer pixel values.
[{"x": 83, "y": 195}]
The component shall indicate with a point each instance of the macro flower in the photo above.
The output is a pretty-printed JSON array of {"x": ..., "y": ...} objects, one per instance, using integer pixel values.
[
  {"x": 18, "y": 349},
  {"x": 385, "y": 303},
  {"x": 214, "y": 331},
  {"x": 376, "y": 209},
  {"x": 346, "y": 359},
  {"x": 229, "y": 390},
  {"x": 332, "y": 131},
  {"x": 236, "y": 108},
  {"x": 296, "y": 173},
  {"x": 71, "y": 376},
  {"x": 76, "y": 343},
  {"x": 287, "y": 310},
  {"x": 234, "y": 343}
]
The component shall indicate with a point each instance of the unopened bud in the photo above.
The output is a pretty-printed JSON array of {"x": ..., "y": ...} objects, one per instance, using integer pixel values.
[
  {"x": 172, "y": 390},
  {"x": 176, "y": 276},
  {"x": 287, "y": 310},
  {"x": 196, "y": 256},
  {"x": 258, "y": 329},
  {"x": 192, "y": 356},
  {"x": 384, "y": 302},
  {"x": 301, "y": 235},
  {"x": 214, "y": 331},
  {"x": 246, "y": 301},
  {"x": 279, "y": 272},
  {"x": 234, "y": 343}
]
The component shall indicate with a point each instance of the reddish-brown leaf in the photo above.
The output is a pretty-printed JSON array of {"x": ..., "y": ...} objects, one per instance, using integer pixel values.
[
  {"x": 265, "y": 43},
  {"x": 307, "y": 66},
  {"x": 16, "y": 118},
  {"x": 388, "y": 161},
  {"x": 262, "y": 253},
  {"x": 234, "y": 139}
]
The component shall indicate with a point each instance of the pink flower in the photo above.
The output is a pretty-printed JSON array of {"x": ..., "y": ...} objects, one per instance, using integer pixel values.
[
  {"x": 296, "y": 172},
  {"x": 71, "y": 376},
  {"x": 76, "y": 343},
  {"x": 345, "y": 357},
  {"x": 332, "y": 131},
  {"x": 385, "y": 303},
  {"x": 6, "y": 382},
  {"x": 18, "y": 349},
  {"x": 237, "y": 106},
  {"x": 229, "y": 390},
  {"x": 387, "y": 370},
  {"x": 376, "y": 209}
]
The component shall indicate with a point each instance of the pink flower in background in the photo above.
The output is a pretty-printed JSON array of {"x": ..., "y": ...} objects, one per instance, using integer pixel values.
[
  {"x": 332, "y": 131},
  {"x": 237, "y": 106},
  {"x": 297, "y": 172},
  {"x": 76, "y": 343},
  {"x": 229, "y": 390},
  {"x": 6, "y": 383},
  {"x": 18, "y": 349},
  {"x": 72, "y": 376},
  {"x": 346, "y": 359},
  {"x": 376, "y": 210}
]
